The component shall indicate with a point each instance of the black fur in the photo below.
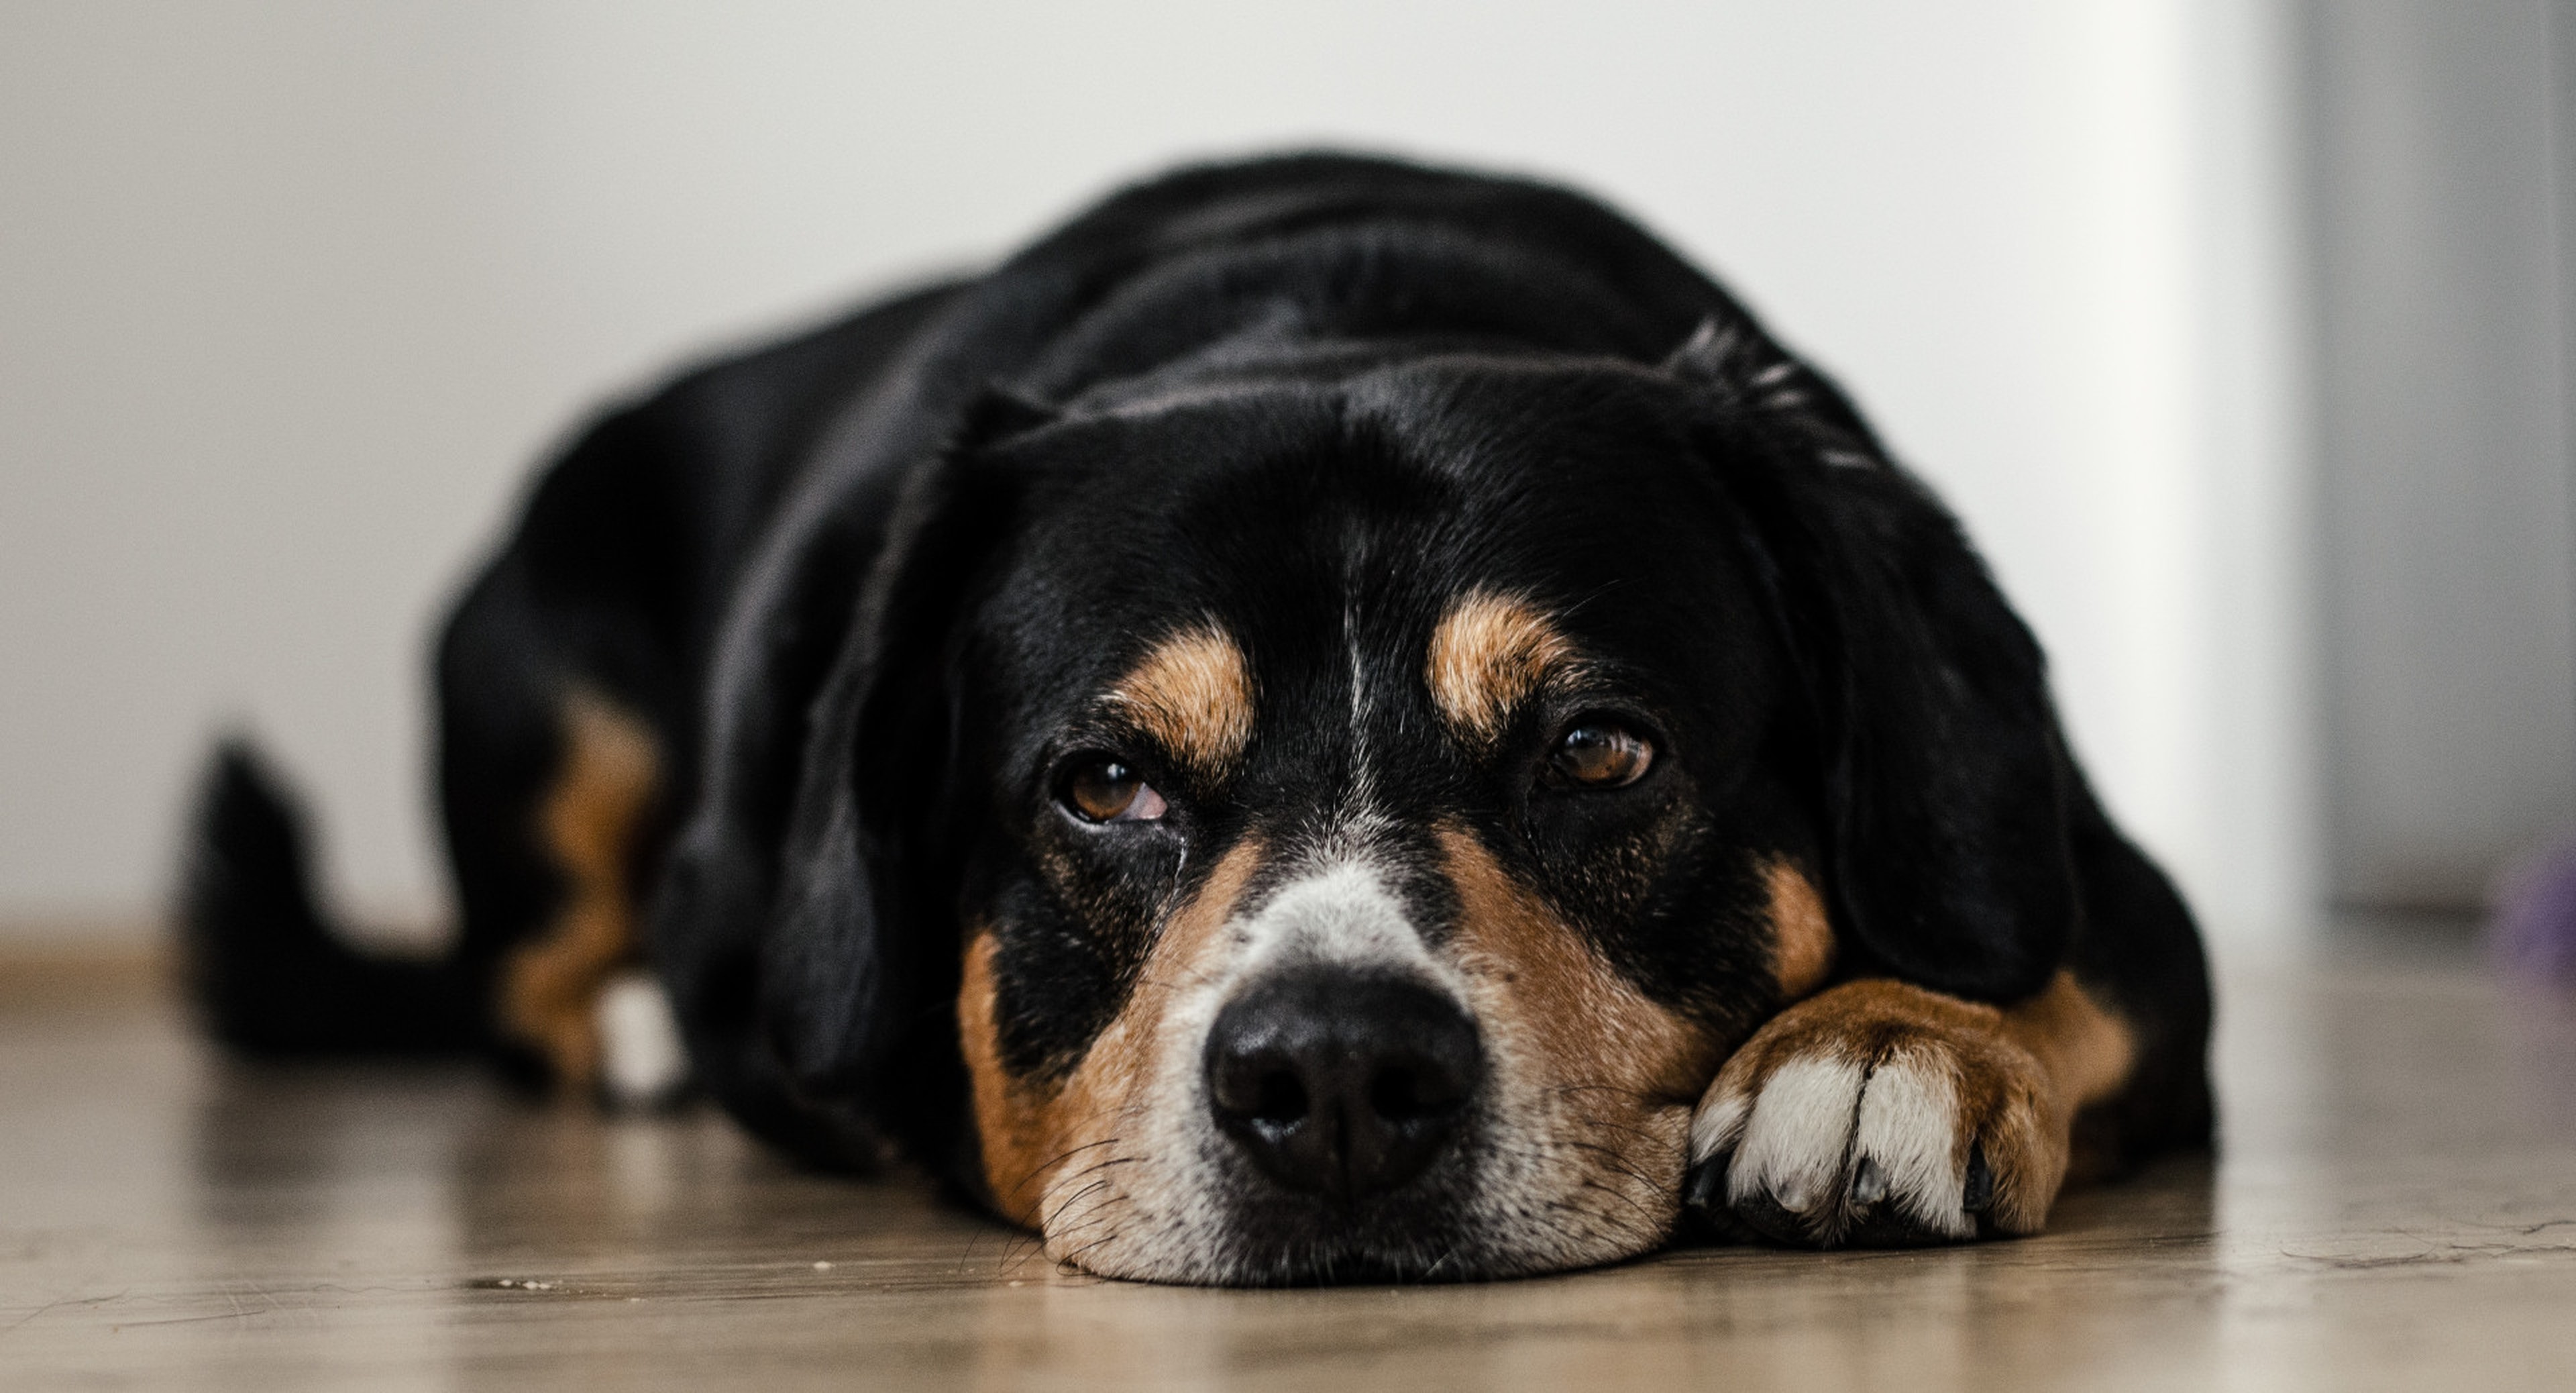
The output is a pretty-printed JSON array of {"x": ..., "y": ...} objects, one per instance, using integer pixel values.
[
  {"x": 269, "y": 974},
  {"x": 858, "y": 584}
]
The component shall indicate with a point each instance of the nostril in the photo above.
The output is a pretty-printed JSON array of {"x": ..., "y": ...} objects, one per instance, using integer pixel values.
[
  {"x": 1391, "y": 1093},
  {"x": 1258, "y": 1086},
  {"x": 1280, "y": 1099},
  {"x": 1407, "y": 1093}
]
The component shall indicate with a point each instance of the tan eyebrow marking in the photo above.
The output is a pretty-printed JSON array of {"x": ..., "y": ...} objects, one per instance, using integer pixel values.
[
  {"x": 1488, "y": 654},
  {"x": 1192, "y": 692}
]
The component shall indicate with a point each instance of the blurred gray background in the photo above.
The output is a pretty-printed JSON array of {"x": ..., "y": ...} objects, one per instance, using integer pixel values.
[{"x": 2236, "y": 332}]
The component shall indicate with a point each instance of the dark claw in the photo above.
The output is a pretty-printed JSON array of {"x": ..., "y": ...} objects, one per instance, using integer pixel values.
[
  {"x": 1980, "y": 1195},
  {"x": 1868, "y": 1183},
  {"x": 1705, "y": 1217},
  {"x": 1704, "y": 1189},
  {"x": 1876, "y": 1222},
  {"x": 1773, "y": 1220}
]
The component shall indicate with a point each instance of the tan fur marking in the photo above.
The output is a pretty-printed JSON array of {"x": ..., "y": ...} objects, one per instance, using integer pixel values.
[
  {"x": 549, "y": 986},
  {"x": 1487, "y": 655},
  {"x": 1802, "y": 938},
  {"x": 1601, "y": 1062},
  {"x": 1193, "y": 694},
  {"x": 2085, "y": 1048},
  {"x": 1010, "y": 1128},
  {"x": 1031, "y": 1133}
]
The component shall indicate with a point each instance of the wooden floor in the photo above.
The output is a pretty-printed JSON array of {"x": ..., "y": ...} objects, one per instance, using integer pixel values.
[{"x": 2397, "y": 1208}]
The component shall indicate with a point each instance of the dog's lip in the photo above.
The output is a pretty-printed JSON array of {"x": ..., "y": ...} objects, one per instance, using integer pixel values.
[
  {"x": 1358, "y": 1253},
  {"x": 1363, "y": 1269},
  {"x": 1271, "y": 1223}
]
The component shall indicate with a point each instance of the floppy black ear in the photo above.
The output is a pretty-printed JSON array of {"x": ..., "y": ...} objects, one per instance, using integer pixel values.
[
  {"x": 859, "y": 961},
  {"x": 1947, "y": 785},
  {"x": 801, "y": 919}
]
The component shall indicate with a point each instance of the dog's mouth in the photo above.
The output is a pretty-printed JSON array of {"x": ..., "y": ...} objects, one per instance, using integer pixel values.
[
  {"x": 1486, "y": 1208},
  {"x": 1419, "y": 1233}
]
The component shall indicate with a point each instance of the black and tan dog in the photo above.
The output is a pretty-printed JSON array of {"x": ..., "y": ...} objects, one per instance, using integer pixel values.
[{"x": 1327, "y": 720}]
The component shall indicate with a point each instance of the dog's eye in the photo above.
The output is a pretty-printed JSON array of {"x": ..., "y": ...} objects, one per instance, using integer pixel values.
[
  {"x": 1597, "y": 754},
  {"x": 1104, "y": 790}
]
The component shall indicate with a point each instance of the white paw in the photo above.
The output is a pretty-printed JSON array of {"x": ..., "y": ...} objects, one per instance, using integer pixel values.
[
  {"x": 1879, "y": 1113},
  {"x": 641, "y": 1061}
]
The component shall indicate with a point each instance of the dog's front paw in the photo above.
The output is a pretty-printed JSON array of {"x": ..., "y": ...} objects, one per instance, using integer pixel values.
[{"x": 1879, "y": 1113}]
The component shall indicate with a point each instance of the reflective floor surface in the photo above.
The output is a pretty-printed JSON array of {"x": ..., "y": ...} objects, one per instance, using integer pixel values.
[{"x": 2396, "y": 1208}]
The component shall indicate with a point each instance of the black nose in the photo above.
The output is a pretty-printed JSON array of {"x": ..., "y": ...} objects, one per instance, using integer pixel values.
[{"x": 1339, "y": 1082}]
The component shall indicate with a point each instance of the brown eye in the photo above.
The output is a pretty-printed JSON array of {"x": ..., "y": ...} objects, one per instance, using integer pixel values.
[
  {"x": 1600, "y": 755},
  {"x": 1104, "y": 790}
]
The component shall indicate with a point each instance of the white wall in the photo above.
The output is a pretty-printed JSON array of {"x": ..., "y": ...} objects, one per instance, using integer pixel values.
[{"x": 290, "y": 296}]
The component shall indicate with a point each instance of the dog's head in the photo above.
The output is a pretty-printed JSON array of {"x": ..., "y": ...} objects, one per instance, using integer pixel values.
[{"x": 1343, "y": 816}]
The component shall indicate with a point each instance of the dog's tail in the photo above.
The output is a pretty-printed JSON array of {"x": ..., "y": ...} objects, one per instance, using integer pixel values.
[{"x": 269, "y": 975}]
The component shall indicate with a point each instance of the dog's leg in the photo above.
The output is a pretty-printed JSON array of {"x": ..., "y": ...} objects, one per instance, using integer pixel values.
[
  {"x": 1879, "y": 1112},
  {"x": 589, "y": 821}
]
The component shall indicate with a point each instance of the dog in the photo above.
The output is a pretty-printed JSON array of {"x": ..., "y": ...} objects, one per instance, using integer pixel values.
[{"x": 1328, "y": 720}]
